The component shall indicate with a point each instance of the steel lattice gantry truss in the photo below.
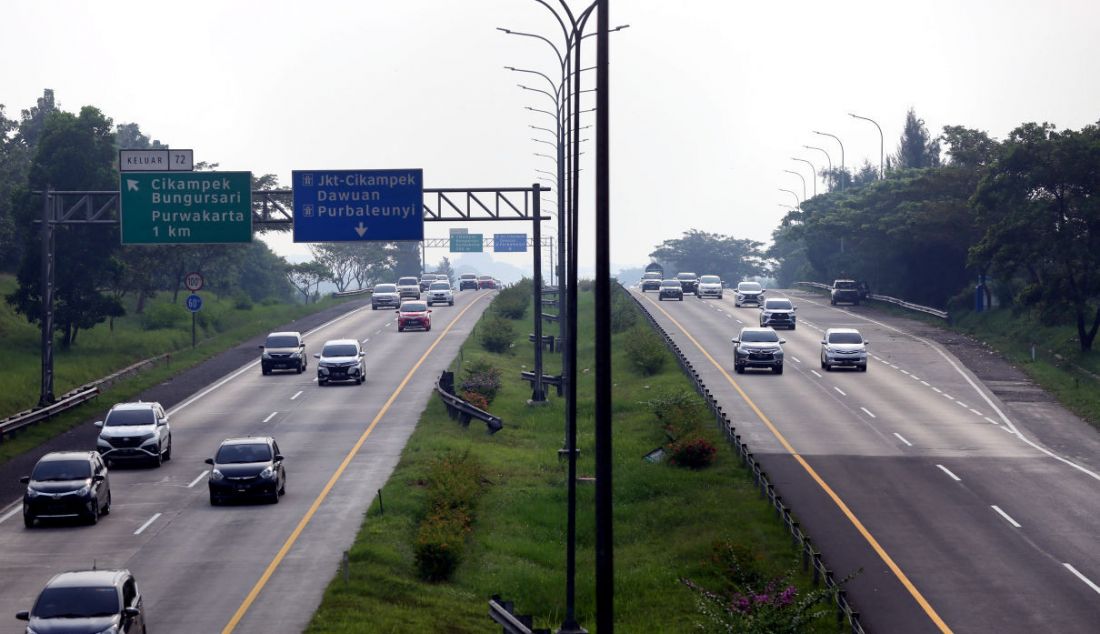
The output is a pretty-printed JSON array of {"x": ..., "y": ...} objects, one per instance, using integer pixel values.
[{"x": 274, "y": 208}]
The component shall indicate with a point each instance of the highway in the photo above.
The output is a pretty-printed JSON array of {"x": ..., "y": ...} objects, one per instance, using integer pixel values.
[
  {"x": 951, "y": 502},
  {"x": 252, "y": 567}
]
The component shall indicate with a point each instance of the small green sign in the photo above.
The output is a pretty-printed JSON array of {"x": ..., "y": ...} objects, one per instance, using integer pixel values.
[
  {"x": 185, "y": 207},
  {"x": 466, "y": 243}
]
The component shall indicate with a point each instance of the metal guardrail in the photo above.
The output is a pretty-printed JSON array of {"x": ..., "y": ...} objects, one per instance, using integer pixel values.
[
  {"x": 31, "y": 416},
  {"x": 550, "y": 318},
  {"x": 942, "y": 314},
  {"x": 547, "y": 379},
  {"x": 459, "y": 409},
  {"x": 358, "y": 291},
  {"x": 501, "y": 612},
  {"x": 547, "y": 341},
  {"x": 811, "y": 557}
]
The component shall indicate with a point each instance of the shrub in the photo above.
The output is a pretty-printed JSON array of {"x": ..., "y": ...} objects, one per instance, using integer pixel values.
[
  {"x": 482, "y": 378},
  {"x": 585, "y": 285},
  {"x": 454, "y": 484},
  {"x": 678, "y": 412},
  {"x": 645, "y": 350},
  {"x": 477, "y": 400},
  {"x": 439, "y": 545},
  {"x": 624, "y": 314},
  {"x": 497, "y": 334},
  {"x": 242, "y": 301},
  {"x": 512, "y": 302},
  {"x": 160, "y": 316},
  {"x": 694, "y": 453}
]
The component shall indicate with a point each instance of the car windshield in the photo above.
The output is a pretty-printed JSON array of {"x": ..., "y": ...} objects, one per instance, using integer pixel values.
[
  {"x": 62, "y": 470},
  {"x": 759, "y": 336},
  {"x": 749, "y": 287},
  {"x": 407, "y": 281},
  {"x": 651, "y": 276},
  {"x": 127, "y": 417},
  {"x": 385, "y": 288},
  {"x": 845, "y": 337},
  {"x": 671, "y": 283},
  {"x": 710, "y": 279},
  {"x": 468, "y": 276},
  {"x": 281, "y": 342},
  {"x": 339, "y": 350},
  {"x": 240, "y": 454},
  {"x": 485, "y": 277},
  {"x": 845, "y": 285},
  {"x": 76, "y": 603},
  {"x": 440, "y": 286},
  {"x": 778, "y": 304},
  {"x": 685, "y": 276},
  {"x": 413, "y": 307}
]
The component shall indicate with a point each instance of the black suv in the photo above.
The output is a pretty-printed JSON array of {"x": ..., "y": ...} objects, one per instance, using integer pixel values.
[
  {"x": 88, "y": 601},
  {"x": 67, "y": 484},
  {"x": 247, "y": 467},
  {"x": 844, "y": 291},
  {"x": 688, "y": 282}
]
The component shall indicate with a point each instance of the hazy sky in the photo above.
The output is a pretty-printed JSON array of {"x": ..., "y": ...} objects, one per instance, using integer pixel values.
[{"x": 709, "y": 99}]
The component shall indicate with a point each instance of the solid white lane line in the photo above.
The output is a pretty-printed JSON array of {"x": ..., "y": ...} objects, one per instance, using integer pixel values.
[
  {"x": 868, "y": 412},
  {"x": 839, "y": 390},
  {"x": 796, "y": 359},
  {"x": 198, "y": 479},
  {"x": 740, "y": 322},
  {"x": 365, "y": 340},
  {"x": 975, "y": 411},
  {"x": 893, "y": 366},
  {"x": 815, "y": 373},
  {"x": 951, "y": 475},
  {"x": 270, "y": 416},
  {"x": 296, "y": 395},
  {"x": 1006, "y": 516},
  {"x": 1082, "y": 577},
  {"x": 902, "y": 438},
  {"x": 991, "y": 421},
  {"x": 937, "y": 390},
  {"x": 146, "y": 524},
  {"x": 914, "y": 377},
  {"x": 8, "y": 515}
]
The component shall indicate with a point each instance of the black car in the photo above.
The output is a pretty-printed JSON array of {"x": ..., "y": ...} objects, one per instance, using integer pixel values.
[
  {"x": 688, "y": 281},
  {"x": 651, "y": 282},
  {"x": 67, "y": 484},
  {"x": 88, "y": 601},
  {"x": 670, "y": 289},
  {"x": 249, "y": 467},
  {"x": 467, "y": 282}
]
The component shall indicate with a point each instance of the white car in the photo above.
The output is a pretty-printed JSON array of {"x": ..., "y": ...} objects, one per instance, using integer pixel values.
[
  {"x": 748, "y": 293},
  {"x": 341, "y": 360},
  {"x": 777, "y": 312},
  {"x": 441, "y": 293},
  {"x": 843, "y": 347},
  {"x": 135, "y": 431},
  {"x": 709, "y": 286}
]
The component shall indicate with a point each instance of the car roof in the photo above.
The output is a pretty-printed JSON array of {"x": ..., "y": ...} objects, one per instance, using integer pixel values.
[
  {"x": 288, "y": 333},
  {"x": 135, "y": 405},
  {"x": 413, "y": 301},
  {"x": 839, "y": 330},
  {"x": 468, "y": 275},
  {"x": 66, "y": 455},
  {"x": 248, "y": 440},
  {"x": 86, "y": 578},
  {"x": 757, "y": 329},
  {"x": 340, "y": 342},
  {"x": 684, "y": 273},
  {"x": 783, "y": 299}
]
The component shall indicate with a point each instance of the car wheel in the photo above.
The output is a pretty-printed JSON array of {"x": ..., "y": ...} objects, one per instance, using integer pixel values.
[
  {"x": 863, "y": 368},
  {"x": 778, "y": 369},
  {"x": 792, "y": 327},
  {"x": 825, "y": 366},
  {"x": 265, "y": 370},
  {"x": 451, "y": 303},
  {"x": 719, "y": 296},
  {"x": 832, "y": 302},
  {"x": 107, "y": 509},
  {"x": 168, "y": 452},
  {"x": 660, "y": 299},
  {"x": 740, "y": 369},
  {"x": 321, "y": 383},
  {"x": 214, "y": 501},
  {"x": 93, "y": 515},
  {"x": 681, "y": 298},
  {"x": 28, "y": 521},
  {"x": 373, "y": 307},
  {"x": 274, "y": 499},
  {"x": 400, "y": 329},
  {"x": 158, "y": 459},
  {"x": 428, "y": 329},
  {"x": 282, "y": 488},
  {"x": 301, "y": 368}
]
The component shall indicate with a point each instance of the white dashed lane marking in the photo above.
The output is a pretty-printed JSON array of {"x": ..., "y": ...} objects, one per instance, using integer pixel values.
[
  {"x": 198, "y": 479},
  {"x": 839, "y": 390},
  {"x": 296, "y": 395},
  {"x": 1006, "y": 516},
  {"x": 951, "y": 475},
  {"x": 902, "y": 438},
  {"x": 795, "y": 359},
  {"x": 1082, "y": 577},
  {"x": 814, "y": 372},
  {"x": 868, "y": 412},
  {"x": 270, "y": 416},
  {"x": 146, "y": 525}
]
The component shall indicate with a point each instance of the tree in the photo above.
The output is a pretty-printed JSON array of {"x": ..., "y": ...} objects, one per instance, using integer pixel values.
[
  {"x": 714, "y": 254},
  {"x": 444, "y": 268},
  {"x": 338, "y": 260},
  {"x": 1040, "y": 205},
  {"x": 307, "y": 278},
  {"x": 968, "y": 147},
  {"x": 129, "y": 136},
  {"x": 917, "y": 148}
]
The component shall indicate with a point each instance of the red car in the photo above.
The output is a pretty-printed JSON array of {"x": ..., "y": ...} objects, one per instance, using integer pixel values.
[
  {"x": 414, "y": 315},
  {"x": 486, "y": 281}
]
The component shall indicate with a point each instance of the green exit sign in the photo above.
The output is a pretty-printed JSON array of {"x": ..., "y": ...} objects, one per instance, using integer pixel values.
[
  {"x": 466, "y": 243},
  {"x": 185, "y": 207}
]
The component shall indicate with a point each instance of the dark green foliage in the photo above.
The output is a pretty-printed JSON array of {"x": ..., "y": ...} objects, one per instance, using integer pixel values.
[
  {"x": 160, "y": 316},
  {"x": 645, "y": 350},
  {"x": 483, "y": 378},
  {"x": 513, "y": 301},
  {"x": 679, "y": 413},
  {"x": 454, "y": 485},
  {"x": 496, "y": 333},
  {"x": 706, "y": 253},
  {"x": 916, "y": 148},
  {"x": 624, "y": 312},
  {"x": 692, "y": 453}
]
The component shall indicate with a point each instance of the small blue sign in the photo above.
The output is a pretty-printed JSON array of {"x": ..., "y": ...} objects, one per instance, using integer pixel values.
[
  {"x": 358, "y": 205},
  {"x": 510, "y": 242},
  {"x": 194, "y": 303}
]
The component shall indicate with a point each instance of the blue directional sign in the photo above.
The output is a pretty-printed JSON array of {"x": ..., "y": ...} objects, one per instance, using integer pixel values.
[
  {"x": 510, "y": 242},
  {"x": 358, "y": 205},
  {"x": 194, "y": 303}
]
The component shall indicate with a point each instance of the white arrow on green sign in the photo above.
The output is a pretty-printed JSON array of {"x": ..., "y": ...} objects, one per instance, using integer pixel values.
[{"x": 185, "y": 207}]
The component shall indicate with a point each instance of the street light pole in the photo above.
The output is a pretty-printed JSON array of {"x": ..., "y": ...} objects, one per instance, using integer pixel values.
[
  {"x": 797, "y": 202},
  {"x": 881, "y": 143},
  {"x": 841, "y": 154},
  {"x": 813, "y": 170},
  {"x": 802, "y": 178}
]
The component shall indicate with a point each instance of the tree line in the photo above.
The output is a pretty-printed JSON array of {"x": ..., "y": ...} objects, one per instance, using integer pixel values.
[{"x": 96, "y": 277}]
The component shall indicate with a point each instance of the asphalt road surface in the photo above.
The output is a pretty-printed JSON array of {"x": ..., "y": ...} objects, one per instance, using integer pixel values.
[
  {"x": 964, "y": 512},
  {"x": 252, "y": 567}
]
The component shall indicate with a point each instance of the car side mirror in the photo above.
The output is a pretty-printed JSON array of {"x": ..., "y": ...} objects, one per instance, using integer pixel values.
[
  {"x": 98, "y": 423},
  {"x": 362, "y": 354},
  {"x": 866, "y": 343},
  {"x": 209, "y": 461},
  {"x": 397, "y": 310},
  {"x": 782, "y": 341},
  {"x": 260, "y": 347},
  {"x": 23, "y": 616},
  {"x": 823, "y": 342},
  {"x": 98, "y": 478},
  {"x": 162, "y": 422},
  {"x": 25, "y": 480},
  {"x": 429, "y": 310},
  {"x": 131, "y": 612},
  {"x": 316, "y": 355},
  {"x": 735, "y": 340},
  {"x": 278, "y": 457}
]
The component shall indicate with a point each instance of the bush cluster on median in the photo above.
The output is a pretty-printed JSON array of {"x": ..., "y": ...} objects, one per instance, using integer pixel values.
[
  {"x": 512, "y": 302},
  {"x": 681, "y": 415},
  {"x": 496, "y": 334},
  {"x": 645, "y": 350},
  {"x": 482, "y": 378},
  {"x": 454, "y": 485},
  {"x": 624, "y": 314}
]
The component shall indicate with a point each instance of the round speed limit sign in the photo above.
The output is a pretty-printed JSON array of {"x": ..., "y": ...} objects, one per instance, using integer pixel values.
[{"x": 193, "y": 281}]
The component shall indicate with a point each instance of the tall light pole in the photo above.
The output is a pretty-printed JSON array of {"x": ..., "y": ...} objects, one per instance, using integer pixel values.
[
  {"x": 813, "y": 170},
  {"x": 802, "y": 178},
  {"x": 797, "y": 202},
  {"x": 881, "y": 143},
  {"x": 841, "y": 153}
]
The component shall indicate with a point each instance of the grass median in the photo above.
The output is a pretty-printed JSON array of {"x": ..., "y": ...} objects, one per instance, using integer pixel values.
[{"x": 671, "y": 523}]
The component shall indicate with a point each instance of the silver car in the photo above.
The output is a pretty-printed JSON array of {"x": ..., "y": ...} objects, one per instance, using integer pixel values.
[
  {"x": 341, "y": 360},
  {"x": 843, "y": 347},
  {"x": 408, "y": 288},
  {"x": 441, "y": 293},
  {"x": 758, "y": 348},
  {"x": 385, "y": 295},
  {"x": 748, "y": 293},
  {"x": 709, "y": 286},
  {"x": 135, "y": 431},
  {"x": 777, "y": 312}
]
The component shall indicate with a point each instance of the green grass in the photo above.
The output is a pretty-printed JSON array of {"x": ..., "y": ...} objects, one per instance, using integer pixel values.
[
  {"x": 102, "y": 350},
  {"x": 666, "y": 519}
]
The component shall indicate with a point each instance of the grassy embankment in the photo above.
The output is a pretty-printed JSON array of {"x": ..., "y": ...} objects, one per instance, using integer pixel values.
[
  {"x": 667, "y": 519},
  {"x": 102, "y": 350}
]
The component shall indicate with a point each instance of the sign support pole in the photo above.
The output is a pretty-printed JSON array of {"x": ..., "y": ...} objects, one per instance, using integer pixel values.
[
  {"x": 45, "y": 395},
  {"x": 538, "y": 394},
  {"x": 193, "y": 340}
]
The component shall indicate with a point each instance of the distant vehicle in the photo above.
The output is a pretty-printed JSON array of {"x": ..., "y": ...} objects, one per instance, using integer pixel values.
[
  {"x": 844, "y": 292},
  {"x": 341, "y": 360},
  {"x": 426, "y": 281},
  {"x": 653, "y": 267},
  {"x": 748, "y": 293},
  {"x": 135, "y": 431},
  {"x": 651, "y": 281},
  {"x": 758, "y": 348},
  {"x": 777, "y": 312},
  {"x": 843, "y": 347},
  {"x": 67, "y": 484},
  {"x": 408, "y": 288},
  {"x": 467, "y": 281},
  {"x": 247, "y": 467},
  {"x": 283, "y": 351},
  {"x": 709, "y": 286},
  {"x": 487, "y": 281},
  {"x": 384, "y": 295},
  {"x": 441, "y": 293},
  {"x": 414, "y": 315},
  {"x": 88, "y": 601},
  {"x": 688, "y": 281},
  {"x": 670, "y": 289}
]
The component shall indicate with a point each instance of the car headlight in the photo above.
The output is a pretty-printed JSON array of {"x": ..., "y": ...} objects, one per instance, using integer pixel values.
[
  {"x": 111, "y": 630},
  {"x": 322, "y": 369},
  {"x": 295, "y": 355},
  {"x": 268, "y": 473},
  {"x": 741, "y": 351},
  {"x": 86, "y": 489},
  {"x": 216, "y": 475},
  {"x": 102, "y": 442},
  {"x": 265, "y": 355},
  {"x": 33, "y": 492}
]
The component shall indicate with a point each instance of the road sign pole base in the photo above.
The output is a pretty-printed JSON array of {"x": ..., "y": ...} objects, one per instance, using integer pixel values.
[{"x": 571, "y": 627}]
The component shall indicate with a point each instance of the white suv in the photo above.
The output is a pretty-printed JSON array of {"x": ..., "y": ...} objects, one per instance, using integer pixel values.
[
  {"x": 341, "y": 360},
  {"x": 748, "y": 293},
  {"x": 843, "y": 346},
  {"x": 408, "y": 288},
  {"x": 135, "y": 431},
  {"x": 441, "y": 293}
]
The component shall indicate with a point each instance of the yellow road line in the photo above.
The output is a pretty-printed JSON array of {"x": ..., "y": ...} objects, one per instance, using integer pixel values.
[
  {"x": 928, "y": 609},
  {"x": 255, "y": 592}
]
